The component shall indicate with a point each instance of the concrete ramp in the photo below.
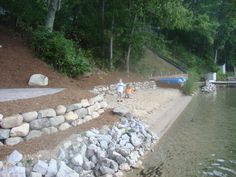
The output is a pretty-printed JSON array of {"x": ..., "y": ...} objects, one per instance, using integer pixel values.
[{"x": 25, "y": 93}]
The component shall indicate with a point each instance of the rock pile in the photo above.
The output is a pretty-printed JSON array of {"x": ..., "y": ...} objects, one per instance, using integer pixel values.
[
  {"x": 105, "y": 152},
  {"x": 20, "y": 127},
  {"x": 208, "y": 88},
  {"x": 111, "y": 89}
]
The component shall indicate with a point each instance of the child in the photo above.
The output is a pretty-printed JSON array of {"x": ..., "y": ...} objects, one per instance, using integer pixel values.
[
  {"x": 120, "y": 89},
  {"x": 128, "y": 91}
]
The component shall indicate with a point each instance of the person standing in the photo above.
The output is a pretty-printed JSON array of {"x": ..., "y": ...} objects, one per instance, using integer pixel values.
[{"x": 120, "y": 90}]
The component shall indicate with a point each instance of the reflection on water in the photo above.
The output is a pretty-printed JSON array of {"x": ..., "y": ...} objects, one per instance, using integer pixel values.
[{"x": 201, "y": 143}]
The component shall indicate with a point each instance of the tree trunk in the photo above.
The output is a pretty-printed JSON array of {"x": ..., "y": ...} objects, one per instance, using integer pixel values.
[
  {"x": 111, "y": 45},
  {"x": 216, "y": 56},
  {"x": 128, "y": 59},
  {"x": 52, "y": 8},
  {"x": 102, "y": 32},
  {"x": 129, "y": 48}
]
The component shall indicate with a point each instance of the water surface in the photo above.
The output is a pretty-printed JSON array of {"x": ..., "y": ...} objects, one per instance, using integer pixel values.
[{"x": 202, "y": 142}]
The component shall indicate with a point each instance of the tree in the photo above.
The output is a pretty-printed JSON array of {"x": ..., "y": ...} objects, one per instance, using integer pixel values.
[{"x": 53, "y": 6}]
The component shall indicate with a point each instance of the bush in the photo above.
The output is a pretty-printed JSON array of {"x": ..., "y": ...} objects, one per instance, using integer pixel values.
[
  {"x": 59, "y": 52},
  {"x": 191, "y": 84}
]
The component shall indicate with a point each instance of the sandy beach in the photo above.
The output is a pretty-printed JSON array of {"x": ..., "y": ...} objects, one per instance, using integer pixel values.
[{"x": 158, "y": 108}]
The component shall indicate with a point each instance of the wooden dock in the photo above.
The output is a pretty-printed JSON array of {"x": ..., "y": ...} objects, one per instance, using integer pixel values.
[{"x": 224, "y": 82}]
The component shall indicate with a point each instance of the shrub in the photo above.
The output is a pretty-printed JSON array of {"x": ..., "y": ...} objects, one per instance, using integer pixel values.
[
  {"x": 59, "y": 52},
  {"x": 191, "y": 84}
]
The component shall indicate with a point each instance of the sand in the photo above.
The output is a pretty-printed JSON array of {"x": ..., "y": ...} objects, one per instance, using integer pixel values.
[{"x": 158, "y": 108}]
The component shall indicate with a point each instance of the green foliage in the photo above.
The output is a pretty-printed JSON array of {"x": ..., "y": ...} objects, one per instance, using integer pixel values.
[
  {"x": 59, "y": 52},
  {"x": 191, "y": 84}
]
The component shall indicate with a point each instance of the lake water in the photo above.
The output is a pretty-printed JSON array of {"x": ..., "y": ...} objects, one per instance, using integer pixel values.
[{"x": 202, "y": 141}]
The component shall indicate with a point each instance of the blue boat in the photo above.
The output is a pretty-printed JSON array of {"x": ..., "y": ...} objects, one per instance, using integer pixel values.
[{"x": 173, "y": 80}]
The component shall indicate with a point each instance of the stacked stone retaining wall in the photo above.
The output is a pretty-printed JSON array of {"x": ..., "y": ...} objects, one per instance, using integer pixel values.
[{"x": 22, "y": 127}]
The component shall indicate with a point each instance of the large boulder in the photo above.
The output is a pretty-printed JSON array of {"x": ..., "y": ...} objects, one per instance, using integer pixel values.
[
  {"x": 12, "y": 121},
  {"x": 55, "y": 121},
  {"x": 38, "y": 80},
  {"x": 21, "y": 130},
  {"x": 120, "y": 110},
  {"x": 81, "y": 112},
  {"x": 71, "y": 116},
  {"x": 60, "y": 110}
]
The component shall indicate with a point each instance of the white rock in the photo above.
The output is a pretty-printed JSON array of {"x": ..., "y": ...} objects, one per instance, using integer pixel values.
[
  {"x": 14, "y": 171},
  {"x": 52, "y": 168},
  {"x": 64, "y": 170},
  {"x": 29, "y": 116},
  {"x": 95, "y": 115},
  {"x": 1, "y": 144},
  {"x": 13, "y": 141},
  {"x": 21, "y": 130},
  {"x": 46, "y": 113},
  {"x": 91, "y": 109},
  {"x": 40, "y": 167},
  {"x": 124, "y": 167},
  {"x": 60, "y": 110},
  {"x": 82, "y": 112},
  {"x": 85, "y": 103},
  {"x": 55, "y": 121},
  {"x": 103, "y": 104},
  {"x": 78, "y": 160},
  {"x": 38, "y": 80},
  {"x": 38, "y": 124},
  {"x": 14, "y": 157},
  {"x": 100, "y": 111},
  {"x": 12, "y": 121},
  {"x": 64, "y": 126},
  {"x": 71, "y": 116},
  {"x": 35, "y": 174},
  {"x": 120, "y": 110},
  {"x": 1, "y": 117},
  {"x": 1, "y": 165}
]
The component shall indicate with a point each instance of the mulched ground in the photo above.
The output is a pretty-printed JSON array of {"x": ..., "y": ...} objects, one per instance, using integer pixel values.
[{"x": 49, "y": 142}]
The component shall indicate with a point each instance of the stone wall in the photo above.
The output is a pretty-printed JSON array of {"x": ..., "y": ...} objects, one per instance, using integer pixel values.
[
  {"x": 111, "y": 89},
  {"x": 20, "y": 127}
]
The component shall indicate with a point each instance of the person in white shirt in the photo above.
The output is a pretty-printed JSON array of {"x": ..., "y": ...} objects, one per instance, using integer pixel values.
[{"x": 120, "y": 87}]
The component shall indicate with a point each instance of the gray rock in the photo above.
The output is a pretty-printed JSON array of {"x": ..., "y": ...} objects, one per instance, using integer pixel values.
[
  {"x": 46, "y": 113},
  {"x": 91, "y": 109},
  {"x": 61, "y": 154},
  {"x": 64, "y": 126},
  {"x": 38, "y": 80},
  {"x": 64, "y": 170},
  {"x": 81, "y": 112},
  {"x": 14, "y": 171},
  {"x": 55, "y": 121},
  {"x": 77, "y": 160},
  {"x": 124, "y": 139},
  {"x": 77, "y": 122},
  {"x": 1, "y": 165},
  {"x": 35, "y": 174},
  {"x": 106, "y": 170},
  {"x": 138, "y": 165},
  {"x": 40, "y": 123},
  {"x": 120, "y": 110},
  {"x": 71, "y": 116},
  {"x": 91, "y": 150},
  {"x": 87, "y": 118},
  {"x": 133, "y": 157},
  {"x": 119, "y": 158},
  {"x": 60, "y": 110},
  {"x": 29, "y": 116},
  {"x": 104, "y": 144},
  {"x": 49, "y": 130},
  {"x": 12, "y": 121},
  {"x": 40, "y": 167},
  {"x": 124, "y": 167},
  {"x": 85, "y": 103},
  {"x": 73, "y": 107},
  {"x": 33, "y": 134},
  {"x": 1, "y": 117},
  {"x": 88, "y": 165},
  {"x": 52, "y": 168},
  {"x": 13, "y": 141},
  {"x": 135, "y": 140},
  {"x": 4, "y": 133},
  {"x": 21, "y": 130},
  {"x": 14, "y": 157}
]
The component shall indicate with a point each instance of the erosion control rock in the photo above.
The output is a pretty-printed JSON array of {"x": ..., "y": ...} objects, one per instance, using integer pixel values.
[{"x": 38, "y": 80}]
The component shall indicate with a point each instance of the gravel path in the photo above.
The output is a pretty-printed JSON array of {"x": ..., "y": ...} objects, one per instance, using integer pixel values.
[{"x": 25, "y": 93}]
